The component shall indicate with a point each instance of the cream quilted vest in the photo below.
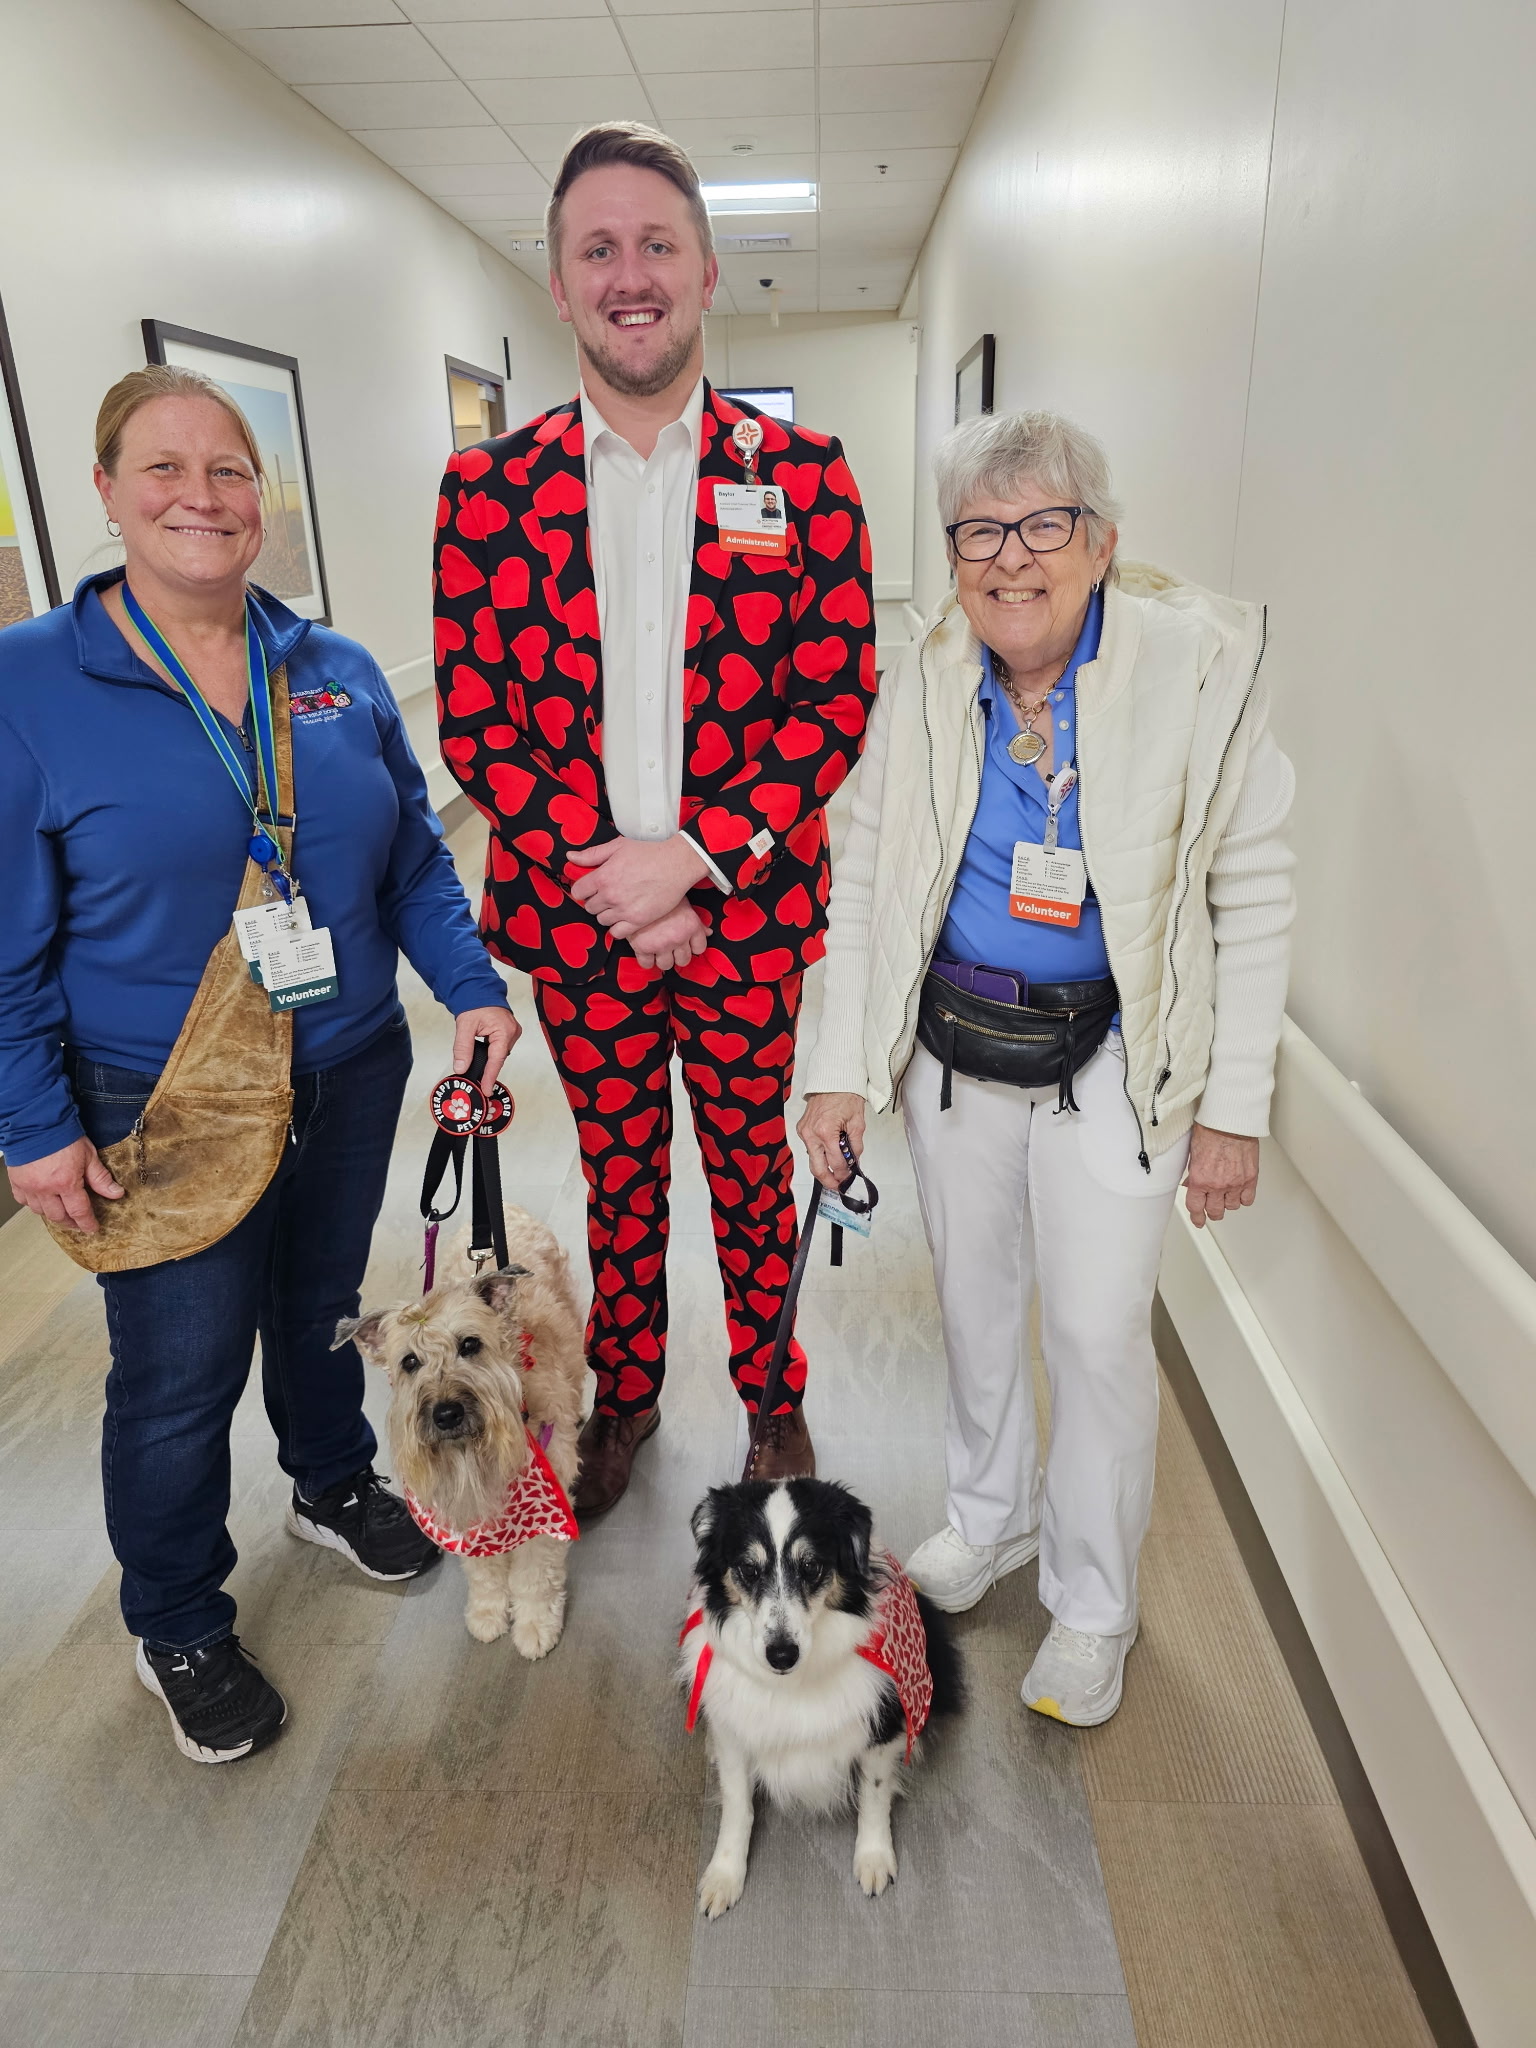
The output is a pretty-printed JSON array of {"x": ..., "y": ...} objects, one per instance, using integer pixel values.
[{"x": 1168, "y": 717}]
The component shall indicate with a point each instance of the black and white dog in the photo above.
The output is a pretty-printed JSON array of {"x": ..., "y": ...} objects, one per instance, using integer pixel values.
[{"x": 815, "y": 1664}]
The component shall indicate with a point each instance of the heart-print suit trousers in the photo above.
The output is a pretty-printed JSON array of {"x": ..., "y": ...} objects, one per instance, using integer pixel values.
[{"x": 613, "y": 1044}]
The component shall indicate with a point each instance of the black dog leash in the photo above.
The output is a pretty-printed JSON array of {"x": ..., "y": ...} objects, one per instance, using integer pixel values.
[
  {"x": 461, "y": 1110},
  {"x": 773, "y": 1383}
]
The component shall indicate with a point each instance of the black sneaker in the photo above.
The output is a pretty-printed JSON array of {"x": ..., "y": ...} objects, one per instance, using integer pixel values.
[
  {"x": 366, "y": 1522},
  {"x": 221, "y": 1707}
]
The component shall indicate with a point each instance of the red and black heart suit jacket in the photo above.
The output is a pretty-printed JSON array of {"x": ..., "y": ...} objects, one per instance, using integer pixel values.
[{"x": 779, "y": 680}]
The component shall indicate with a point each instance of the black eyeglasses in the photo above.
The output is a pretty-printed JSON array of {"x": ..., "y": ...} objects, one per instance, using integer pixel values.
[{"x": 980, "y": 540}]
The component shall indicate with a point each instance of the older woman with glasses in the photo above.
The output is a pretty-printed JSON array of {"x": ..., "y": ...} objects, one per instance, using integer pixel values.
[{"x": 1060, "y": 935}]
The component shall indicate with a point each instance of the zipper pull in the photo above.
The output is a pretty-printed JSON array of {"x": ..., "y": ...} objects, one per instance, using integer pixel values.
[{"x": 1144, "y": 1162}]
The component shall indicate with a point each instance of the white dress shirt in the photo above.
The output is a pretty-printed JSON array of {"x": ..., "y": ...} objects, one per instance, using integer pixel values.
[{"x": 640, "y": 514}]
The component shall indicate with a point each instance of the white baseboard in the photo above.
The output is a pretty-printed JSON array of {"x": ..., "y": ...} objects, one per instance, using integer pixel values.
[{"x": 1468, "y": 1848}]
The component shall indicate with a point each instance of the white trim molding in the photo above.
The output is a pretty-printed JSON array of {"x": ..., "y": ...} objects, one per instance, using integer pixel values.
[{"x": 1369, "y": 1353}]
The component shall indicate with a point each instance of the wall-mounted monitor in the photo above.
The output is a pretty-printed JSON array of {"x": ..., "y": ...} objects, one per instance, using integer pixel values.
[{"x": 777, "y": 400}]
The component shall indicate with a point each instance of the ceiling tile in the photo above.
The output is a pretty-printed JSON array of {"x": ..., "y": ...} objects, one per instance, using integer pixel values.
[
  {"x": 568, "y": 102},
  {"x": 714, "y": 134},
  {"x": 229, "y": 14},
  {"x": 694, "y": 94},
  {"x": 878, "y": 88},
  {"x": 840, "y": 168},
  {"x": 801, "y": 228},
  {"x": 920, "y": 128},
  {"x": 519, "y": 184},
  {"x": 531, "y": 49},
  {"x": 873, "y": 202},
  {"x": 944, "y": 31},
  {"x": 626, "y": 8},
  {"x": 787, "y": 267},
  {"x": 759, "y": 168},
  {"x": 404, "y": 147},
  {"x": 446, "y": 104},
  {"x": 512, "y": 215},
  {"x": 343, "y": 56},
  {"x": 426, "y": 11},
  {"x": 721, "y": 42}
]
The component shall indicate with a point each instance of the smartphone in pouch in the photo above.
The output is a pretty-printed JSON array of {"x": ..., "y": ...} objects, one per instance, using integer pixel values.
[{"x": 997, "y": 985}]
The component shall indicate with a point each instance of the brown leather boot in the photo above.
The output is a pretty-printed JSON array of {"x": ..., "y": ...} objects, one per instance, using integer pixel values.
[
  {"x": 607, "y": 1447},
  {"x": 783, "y": 1451}
]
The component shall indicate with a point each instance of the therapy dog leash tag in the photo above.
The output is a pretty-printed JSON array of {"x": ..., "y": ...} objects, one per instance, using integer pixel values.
[
  {"x": 264, "y": 923},
  {"x": 1047, "y": 885},
  {"x": 751, "y": 519},
  {"x": 299, "y": 969}
]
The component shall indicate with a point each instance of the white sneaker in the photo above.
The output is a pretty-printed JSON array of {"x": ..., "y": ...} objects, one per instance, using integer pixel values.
[
  {"x": 954, "y": 1574},
  {"x": 1075, "y": 1677}
]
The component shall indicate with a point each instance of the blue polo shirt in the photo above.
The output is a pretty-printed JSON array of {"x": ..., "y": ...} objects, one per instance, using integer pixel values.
[
  {"x": 122, "y": 845},
  {"x": 1012, "y": 806}
]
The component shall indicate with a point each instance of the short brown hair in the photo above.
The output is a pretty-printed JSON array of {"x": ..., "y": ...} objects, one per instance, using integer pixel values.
[
  {"x": 626, "y": 142},
  {"x": 162, "y": 380}
]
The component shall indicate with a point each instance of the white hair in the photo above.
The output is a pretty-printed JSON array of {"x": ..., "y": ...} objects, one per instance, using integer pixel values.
[{"x": 991, "y": 456}]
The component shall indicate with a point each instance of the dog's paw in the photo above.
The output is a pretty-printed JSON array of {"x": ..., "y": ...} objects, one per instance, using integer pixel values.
[
  {"x": 874, "y": 1865},
  {"x": 720, "y": 1888},
  {"x": 535, "y": 1635},
  {"x": 486, "y": 1624}
]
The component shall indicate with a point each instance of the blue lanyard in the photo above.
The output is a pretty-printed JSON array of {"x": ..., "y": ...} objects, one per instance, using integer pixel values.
[{"x": 264, "y": 848}]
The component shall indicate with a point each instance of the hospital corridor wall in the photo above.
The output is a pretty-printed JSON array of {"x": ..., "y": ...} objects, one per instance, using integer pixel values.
[{"x": 1270, "y": 254}]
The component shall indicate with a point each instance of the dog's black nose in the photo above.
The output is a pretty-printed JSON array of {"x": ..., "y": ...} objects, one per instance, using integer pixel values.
[
  {"x": 447, "y": 1414},
  {"x": 782, "y": 1652}
]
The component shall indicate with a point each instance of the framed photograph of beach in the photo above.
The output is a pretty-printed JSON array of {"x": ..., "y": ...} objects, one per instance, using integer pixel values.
[
  {"x": 265, "y": 385},
  {"x": 29, "y": 583},
  {"x": 973, "y": 379}
]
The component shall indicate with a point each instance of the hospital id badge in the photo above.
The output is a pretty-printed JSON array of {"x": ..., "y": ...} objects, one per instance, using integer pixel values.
[
  {"x": 299, "y": 969},
  {"x": 1047, "y": 885},
  {"x": 265, "y": 922},
  {"x": 751, "y": 519},
  {"x": 832, "y": 1209}
]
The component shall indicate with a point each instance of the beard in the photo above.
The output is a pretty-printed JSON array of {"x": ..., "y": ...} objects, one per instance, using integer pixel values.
[{"x": 637, "y": 382}]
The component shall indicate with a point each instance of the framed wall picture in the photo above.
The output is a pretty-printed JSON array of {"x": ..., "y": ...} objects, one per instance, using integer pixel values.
[
  {"x": 29, "y": 583},
  {"x": 777, "y": 400},
  {"x": 265, "y": 386},
  {"x": 973, "y": 379},
  {"x": 477, "y": 402}
]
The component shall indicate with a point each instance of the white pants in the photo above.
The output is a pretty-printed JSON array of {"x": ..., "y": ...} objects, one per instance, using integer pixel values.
[{"x": 1015, "y": 1196}]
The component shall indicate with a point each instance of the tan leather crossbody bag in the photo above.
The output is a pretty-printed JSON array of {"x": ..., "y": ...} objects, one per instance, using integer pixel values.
[{"x": 211, "y": 1135}]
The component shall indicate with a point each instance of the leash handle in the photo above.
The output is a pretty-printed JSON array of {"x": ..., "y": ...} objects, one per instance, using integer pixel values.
[
  {"x": 773, "y": 1379},
  {"x": 488, "y": 1232}
]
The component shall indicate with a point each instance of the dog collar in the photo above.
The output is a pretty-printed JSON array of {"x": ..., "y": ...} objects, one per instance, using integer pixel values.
[
  {"x": 536, "y": 1505},
  {"x": 897, "y": 1645}
]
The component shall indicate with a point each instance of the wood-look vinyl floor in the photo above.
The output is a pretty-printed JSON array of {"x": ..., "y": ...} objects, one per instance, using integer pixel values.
[{"x": 451, "y": 1848}]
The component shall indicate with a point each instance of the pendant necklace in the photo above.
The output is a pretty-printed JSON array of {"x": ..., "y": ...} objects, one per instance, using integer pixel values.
[{"x": 1027, "y": 745}]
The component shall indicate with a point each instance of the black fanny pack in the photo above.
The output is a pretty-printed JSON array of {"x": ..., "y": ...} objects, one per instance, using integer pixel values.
[{"x": 1040, "y": 1041}]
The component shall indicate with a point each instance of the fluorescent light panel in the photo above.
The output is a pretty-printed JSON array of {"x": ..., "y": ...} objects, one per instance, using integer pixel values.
[{"x": 793, "y": 196}]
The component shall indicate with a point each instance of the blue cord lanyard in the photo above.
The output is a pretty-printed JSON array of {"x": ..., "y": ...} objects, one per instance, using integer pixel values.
[{"x": 264, "y": 848}]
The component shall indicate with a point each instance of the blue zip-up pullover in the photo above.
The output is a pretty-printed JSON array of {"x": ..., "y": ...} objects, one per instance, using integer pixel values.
[{"x": 122, "y": 845}]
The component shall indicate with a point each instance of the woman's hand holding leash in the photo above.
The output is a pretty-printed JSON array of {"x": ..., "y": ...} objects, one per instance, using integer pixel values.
[
  {"x": 1223, "y": 1174},
  {"x": 500, "y": 1030},
  {"x": 827, "y": 1121}
]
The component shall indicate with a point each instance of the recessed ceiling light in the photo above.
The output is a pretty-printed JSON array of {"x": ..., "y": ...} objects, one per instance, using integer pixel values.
[{"x": 793, "y": 196}]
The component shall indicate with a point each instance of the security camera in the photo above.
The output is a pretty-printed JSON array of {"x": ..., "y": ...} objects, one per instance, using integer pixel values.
[{"x": 766, "y": 283}]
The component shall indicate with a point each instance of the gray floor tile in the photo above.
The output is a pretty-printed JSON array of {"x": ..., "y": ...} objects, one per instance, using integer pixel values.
[
  {"x": 904, "y": 2019},
  {"x": 70, "y": 2009}
]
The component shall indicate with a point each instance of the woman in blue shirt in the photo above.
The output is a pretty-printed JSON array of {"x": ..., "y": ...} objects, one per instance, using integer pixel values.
[{"x": 123, "y": 839}]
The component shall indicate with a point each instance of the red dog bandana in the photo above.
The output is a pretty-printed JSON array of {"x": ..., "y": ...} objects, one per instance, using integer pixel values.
[
  {"x": 896, "y": 1645},
  {"x": 535, "y": 1506}
]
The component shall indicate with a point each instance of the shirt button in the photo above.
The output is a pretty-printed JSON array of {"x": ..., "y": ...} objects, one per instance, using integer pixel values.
[
  {"x": 650, "y": 625},
  {"x": 1063, "y": 725},
  {"x": 650, "y": 696},
  {"x": 650, "y": 764},
  {"x": 650, "y": 490},
  {"x": 650, "y": 558}
]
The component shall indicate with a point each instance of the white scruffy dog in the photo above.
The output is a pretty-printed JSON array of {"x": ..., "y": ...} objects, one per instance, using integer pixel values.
[{"x": 473, "y": 1367}]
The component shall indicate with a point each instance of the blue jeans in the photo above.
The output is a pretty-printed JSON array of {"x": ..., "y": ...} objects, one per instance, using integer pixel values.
[{"x": 183, "y": 1334}]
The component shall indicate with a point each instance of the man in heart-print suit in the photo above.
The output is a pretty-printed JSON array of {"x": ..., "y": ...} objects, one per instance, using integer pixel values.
[{"x": 651, "y": 692}]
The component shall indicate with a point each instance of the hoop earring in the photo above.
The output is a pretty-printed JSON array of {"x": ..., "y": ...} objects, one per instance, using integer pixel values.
[{"x": 115, "y": 530}]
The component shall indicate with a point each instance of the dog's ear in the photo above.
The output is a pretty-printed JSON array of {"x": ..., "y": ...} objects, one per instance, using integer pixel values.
[
  {"x": 498, "y": 1290},
  {"x": 705, "y": 1516},
  {"x": 855, "y": 1528},
  {"x": 363, "y": 1331}
]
